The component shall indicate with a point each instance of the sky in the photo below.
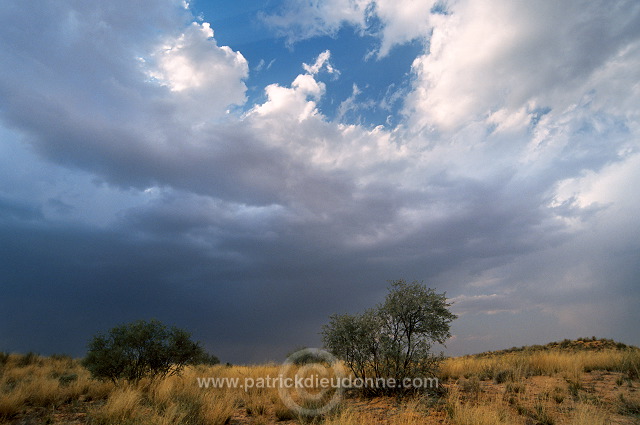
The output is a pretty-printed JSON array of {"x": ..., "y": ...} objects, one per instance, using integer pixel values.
[{"x": 243, "y": 170}]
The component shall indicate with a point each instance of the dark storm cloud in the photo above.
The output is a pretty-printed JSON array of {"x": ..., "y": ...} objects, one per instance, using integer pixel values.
[
  {"x": 11, "y": 209},
  {"x": 62, "y": 284}
]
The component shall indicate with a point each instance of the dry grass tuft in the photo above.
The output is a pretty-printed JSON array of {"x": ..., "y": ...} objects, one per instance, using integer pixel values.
[
  {"x": 217, "y": 409},
  {"x": 10, "y": 405},
  {"x": 122, "y": 407},
  {"x": 586, "y": 414},
  {"x": 476, "y": 413}
]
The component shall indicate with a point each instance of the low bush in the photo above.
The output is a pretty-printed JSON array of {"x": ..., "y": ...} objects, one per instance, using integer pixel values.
[
  {"x": 142, "y": 349},
  {"x": 503, "y": 376}
]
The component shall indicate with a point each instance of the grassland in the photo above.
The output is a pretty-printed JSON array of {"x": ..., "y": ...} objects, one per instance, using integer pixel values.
[{"x": 583, "y": 382}]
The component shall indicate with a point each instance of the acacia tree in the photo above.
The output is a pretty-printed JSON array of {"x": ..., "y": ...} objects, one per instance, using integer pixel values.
[
  {"x": 393, "y": 340},
  {"x": 140, "y": 349},
  {"x": 413, "y": 317},
  {"x": 354, "y": 339}
]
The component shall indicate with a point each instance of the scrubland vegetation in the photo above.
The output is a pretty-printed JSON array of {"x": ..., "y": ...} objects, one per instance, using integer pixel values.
[{"x": 594, "y": 384}]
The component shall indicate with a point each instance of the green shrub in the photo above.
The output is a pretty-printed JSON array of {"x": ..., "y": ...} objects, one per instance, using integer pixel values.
[{"x": 141, "y": 349}]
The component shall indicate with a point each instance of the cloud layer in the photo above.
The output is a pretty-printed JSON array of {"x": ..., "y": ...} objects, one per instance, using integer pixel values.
[{"x": 138, "y": 182}]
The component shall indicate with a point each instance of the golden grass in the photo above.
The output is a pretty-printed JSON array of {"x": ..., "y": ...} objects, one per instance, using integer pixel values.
[
  {"x": 482, "y": 414},
  {"x": 511, "y": 388},
  {"x": 487, "y": 412},
  {"x": 349, "y": 416},
  {"x": 122, "y": 407},
  {"x": 11, "y": 404},
  {"x": 513, "y": 369},
  {"x": 411, "y": 413},
  {"x": 548, "y": 363},
  {"x": 217, "y": 409},
  {"x": 172, "y": 400},
  {"x": 586, "y": 414},
  {"x": 34, "y": 381}
]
